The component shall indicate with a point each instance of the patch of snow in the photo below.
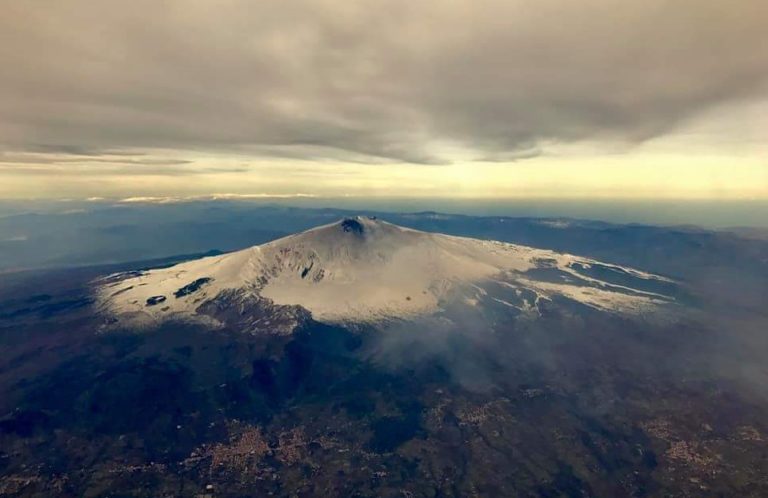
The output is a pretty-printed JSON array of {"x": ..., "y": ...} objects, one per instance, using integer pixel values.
[
  {"x": 16, "y": 238},
  {"x": 555, "y": 223}
]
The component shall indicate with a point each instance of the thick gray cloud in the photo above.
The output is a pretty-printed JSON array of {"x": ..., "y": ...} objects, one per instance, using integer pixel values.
[{"x": 367, "y": 81}]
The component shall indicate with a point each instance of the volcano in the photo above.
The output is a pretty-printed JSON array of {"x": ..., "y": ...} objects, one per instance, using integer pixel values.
[{"x": 364, "y": 270}]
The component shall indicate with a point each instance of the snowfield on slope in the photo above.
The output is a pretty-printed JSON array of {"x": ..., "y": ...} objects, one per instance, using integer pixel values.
[{"x": 366, "y": 270}]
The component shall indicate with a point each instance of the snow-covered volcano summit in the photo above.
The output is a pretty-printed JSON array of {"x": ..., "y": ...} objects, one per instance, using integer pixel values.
[{"x": 366, "y": 270}]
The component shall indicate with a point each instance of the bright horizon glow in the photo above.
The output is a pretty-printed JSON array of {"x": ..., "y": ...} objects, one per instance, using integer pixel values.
[
  {"x": 663, "y": 177},
  {"x": 720, "y": 155}
]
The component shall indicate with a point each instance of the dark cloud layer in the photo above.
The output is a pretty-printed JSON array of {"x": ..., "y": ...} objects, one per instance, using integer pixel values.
[{"x": 368, "y": 81}]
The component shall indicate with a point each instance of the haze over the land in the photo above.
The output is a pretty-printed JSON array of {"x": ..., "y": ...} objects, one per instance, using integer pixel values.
[{"x": 480, "y": 99}]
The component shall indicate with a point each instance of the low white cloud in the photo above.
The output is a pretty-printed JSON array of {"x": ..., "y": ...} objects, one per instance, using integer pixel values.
[
  {"x": 211, "y": 197},
  {"x": 257, "y": 196}
]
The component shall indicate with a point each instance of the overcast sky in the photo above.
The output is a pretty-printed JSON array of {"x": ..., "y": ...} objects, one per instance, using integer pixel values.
[{"x": 477, "y": 98}]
